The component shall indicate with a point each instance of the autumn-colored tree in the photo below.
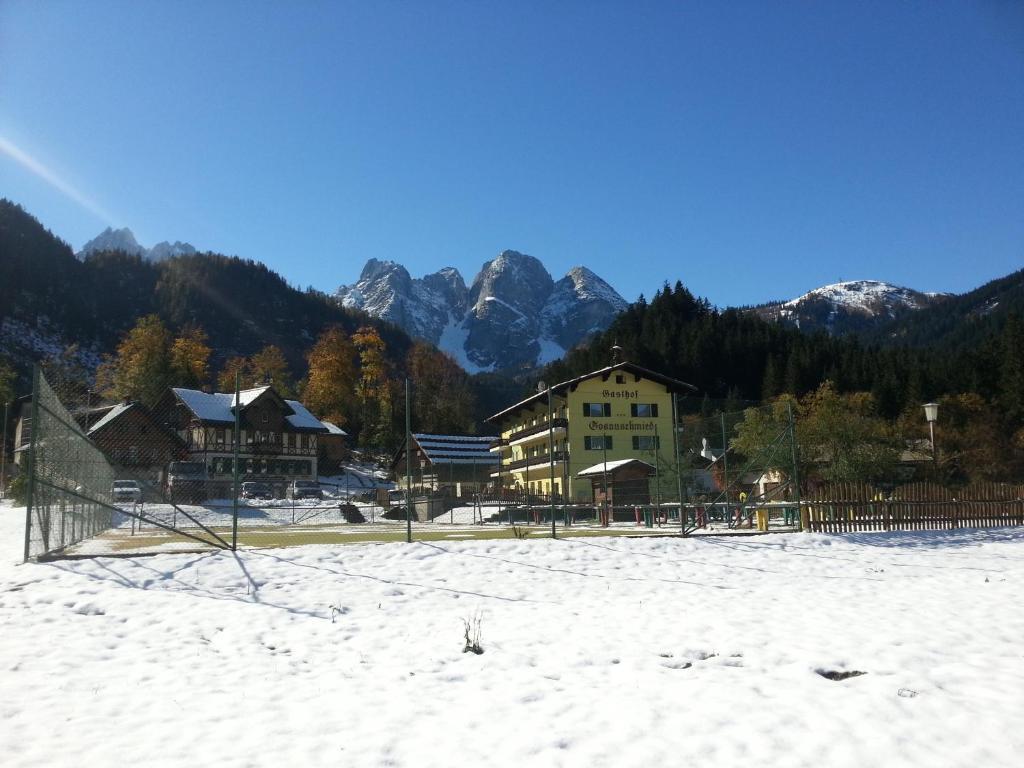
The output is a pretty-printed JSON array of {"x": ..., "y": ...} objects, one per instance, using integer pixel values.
[
  {"x": 442, "y": 399},
  {"x": 141, "y": 369},
  {"x": 330, "y": 386},
  {"x": 226, "y": 378},
  {"x": 373, "y": 388},
  {"x": 268, "y": 366},
  {"x": 190, "y": 358},
  {"x": 840, "y": 437}
]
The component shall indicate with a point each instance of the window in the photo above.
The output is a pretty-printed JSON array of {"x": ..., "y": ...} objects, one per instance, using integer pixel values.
[
  {"x": 601, "y": 410},
  {"x": 645, "y": 443},
  {"x": 643, "y": 410},
  {"x": 265, "y": 418},
  {"x": 220, "y": 437},
  {"x": 620, "y": 379},
  {"x": 597, "y": 442}
]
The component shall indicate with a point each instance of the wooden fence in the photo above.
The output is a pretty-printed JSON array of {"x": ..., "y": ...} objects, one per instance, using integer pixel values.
[{"x": 848, "y": 507}]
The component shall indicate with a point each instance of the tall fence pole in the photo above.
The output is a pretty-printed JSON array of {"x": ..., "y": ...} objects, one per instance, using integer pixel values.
[
  {"x": 796, "y": 469},
  {"x": 408, "y": 467},
  {"x": 3, "y": 456},
  {"x": 725, "y": 470},
  {"x": 30, "y": 497},
  {"x": 234, "y": 464},
  {"x": 551, "y": 464},
  {"x": 679, "y": 470}
]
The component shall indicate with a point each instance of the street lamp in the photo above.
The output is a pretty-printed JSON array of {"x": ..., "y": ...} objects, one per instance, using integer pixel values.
[{"x": 931, "y": 413}]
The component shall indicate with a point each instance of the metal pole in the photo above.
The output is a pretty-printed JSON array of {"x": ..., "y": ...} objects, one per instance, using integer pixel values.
[
  {"x": 551, "y": 464},
  {"x": 725, "y": 474},
  {"x": 608, "y": 511},
  {"x": 234, "y": 470},
  {"x": 657, "y": 473},
  {"x": 796, "y": 469},
  {"x": 679, "y": 474},
  {"x": 408, "y": 468},
  {"x": 3, "y": 456},
  {"x": 30, "y": 499},
  {"x": 935, "y": 454}
]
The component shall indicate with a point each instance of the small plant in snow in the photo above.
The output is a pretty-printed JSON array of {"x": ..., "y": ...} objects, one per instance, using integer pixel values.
[
  {"x": 520, "y": 531},
  {"x": 472, "y": 634}
]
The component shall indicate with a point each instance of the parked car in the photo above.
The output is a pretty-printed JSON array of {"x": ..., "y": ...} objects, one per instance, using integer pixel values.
[
  {"x": 304, "y": 489},
  {"x": 187, "y": 481},
  {"x": 126, "y": 491},
  {"x": 257, "y": 490}
]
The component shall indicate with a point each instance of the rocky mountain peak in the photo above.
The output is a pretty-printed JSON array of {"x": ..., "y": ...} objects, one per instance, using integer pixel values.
[
  {"x": 111, "y": 239},
  {"x": 513, "y": 315},
  {"x": 123, "y": 239}
]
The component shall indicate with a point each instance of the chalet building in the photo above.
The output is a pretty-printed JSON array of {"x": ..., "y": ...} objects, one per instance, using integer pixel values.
[
  {"x": 279, "y": 438},
  {"x": 621, "y": 412},
  {"x": 136, "y": 442},
  {"x": 457, "y": 464}
]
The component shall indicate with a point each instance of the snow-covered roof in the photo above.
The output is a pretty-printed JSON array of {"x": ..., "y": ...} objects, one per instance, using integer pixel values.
[
  {"x": 217, "y": 407},
  {"x": 110, "y": 415},
  {"x": 334, "y": 429},
  {"x": 611, "y": 466},
  {"x": 302, "y": 418},
  {"x": 457, "y": 449},
  {"x": 208, "y": 406}
]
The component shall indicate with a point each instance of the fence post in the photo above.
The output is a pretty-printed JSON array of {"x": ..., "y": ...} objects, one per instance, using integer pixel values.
[
  {"x": 408, "y": 468},
  {"x": 234, "y": 473},
  {"x": 30, "y": 495},
  {"x": 796, "y": 470}
]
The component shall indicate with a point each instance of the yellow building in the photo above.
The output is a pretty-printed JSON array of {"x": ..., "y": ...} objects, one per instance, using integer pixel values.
[{"x": 623, "y": 411}]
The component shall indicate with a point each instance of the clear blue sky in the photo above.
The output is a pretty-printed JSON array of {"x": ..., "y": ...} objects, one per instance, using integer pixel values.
[{"x": 751, "y": 150}]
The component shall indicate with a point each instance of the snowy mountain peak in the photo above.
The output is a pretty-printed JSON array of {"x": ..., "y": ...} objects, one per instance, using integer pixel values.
[
  {"x": 513, "y": 315},
  {"x": 124, "y": 240},
  {"x": 867, "y": 296},
  {"x": 848, "y": 306}
]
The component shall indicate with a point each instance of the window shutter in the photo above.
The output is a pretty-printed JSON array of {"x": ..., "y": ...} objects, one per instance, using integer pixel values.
[
  {"x": 654, "y": 410},
  {"x": 636, "y": 443},
  {"x": 607, "y": 409},
  {"x": 586, "y": 409},
  {"x": 632, "y": 409}
]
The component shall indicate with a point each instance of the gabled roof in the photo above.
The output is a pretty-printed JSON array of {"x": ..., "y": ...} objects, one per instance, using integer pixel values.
[
  {"x": 611, "y": 466},
  {"x": 672, "y": 385},
  {"x": 110, "y": 416},
  {"x": 218, "y": 407},
  {"x": 455, "y": 449}
]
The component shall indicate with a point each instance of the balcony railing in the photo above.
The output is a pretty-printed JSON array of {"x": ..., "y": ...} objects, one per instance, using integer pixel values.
[
  {"x": 537, "y": 429},
  {"x": 542, "y": 460}
]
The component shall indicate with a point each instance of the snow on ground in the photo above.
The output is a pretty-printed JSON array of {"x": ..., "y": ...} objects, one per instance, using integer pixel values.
[{"x": 609, "y": 652}]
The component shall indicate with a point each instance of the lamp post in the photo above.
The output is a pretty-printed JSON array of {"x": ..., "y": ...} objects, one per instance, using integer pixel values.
[{"x": 931, "y": 413}]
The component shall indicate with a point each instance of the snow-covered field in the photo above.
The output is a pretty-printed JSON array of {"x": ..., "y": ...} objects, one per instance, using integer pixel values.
[{"x": 600, "y": 652}]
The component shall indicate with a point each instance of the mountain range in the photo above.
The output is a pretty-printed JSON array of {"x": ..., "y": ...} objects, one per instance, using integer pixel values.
[
  {"x": 513, "y": 315},
  {"x": 124, "y": 240}
]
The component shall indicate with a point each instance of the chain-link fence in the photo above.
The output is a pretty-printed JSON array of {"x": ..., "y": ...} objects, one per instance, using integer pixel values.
[
  {"x": 250, "y": 468},
  {"x": 69, "y": 478}
]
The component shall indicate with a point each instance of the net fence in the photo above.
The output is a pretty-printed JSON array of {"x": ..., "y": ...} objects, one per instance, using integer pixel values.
[{"x": 70, "y": 479}]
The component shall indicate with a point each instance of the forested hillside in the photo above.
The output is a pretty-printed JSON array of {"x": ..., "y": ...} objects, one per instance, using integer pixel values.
[
  {"x": 733, "y": 354},
  {"x": 241, "y": 305}
]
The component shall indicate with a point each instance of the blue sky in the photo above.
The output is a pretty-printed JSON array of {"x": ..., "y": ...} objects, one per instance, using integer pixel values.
[{"x": 751, "y": 150}]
